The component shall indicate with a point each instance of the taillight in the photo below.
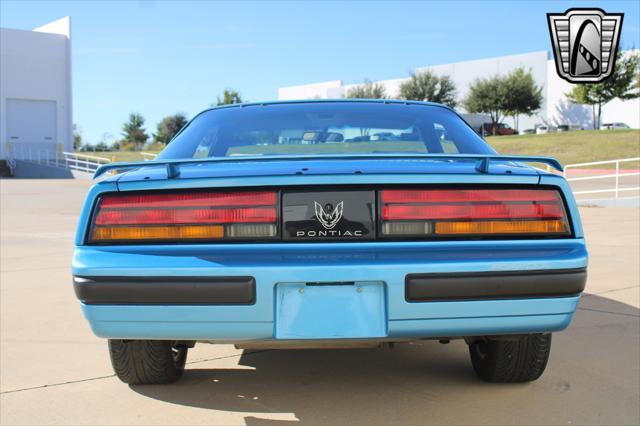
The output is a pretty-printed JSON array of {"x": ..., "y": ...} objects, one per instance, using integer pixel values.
[
  {"x": 177, "y": 217},
  {"x": 472, "y": 213}
]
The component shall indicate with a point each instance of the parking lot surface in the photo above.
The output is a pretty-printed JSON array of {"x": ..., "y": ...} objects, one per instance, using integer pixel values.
[{"x": 54, "y": 371}]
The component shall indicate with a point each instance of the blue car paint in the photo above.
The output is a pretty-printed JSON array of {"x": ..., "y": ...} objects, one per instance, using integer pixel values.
[
  {"x": 285, "y": 266},
  {"x": 446, "y": 319}
]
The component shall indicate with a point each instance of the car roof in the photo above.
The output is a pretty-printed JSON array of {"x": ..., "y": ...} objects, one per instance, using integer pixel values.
[{"x": 328, "y": 101}]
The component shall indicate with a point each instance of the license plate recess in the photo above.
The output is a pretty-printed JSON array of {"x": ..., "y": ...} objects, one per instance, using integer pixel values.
[{"x": 349, "y": 310}]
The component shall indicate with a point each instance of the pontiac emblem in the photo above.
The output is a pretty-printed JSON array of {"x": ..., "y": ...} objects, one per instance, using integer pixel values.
[{"x": 328, "y": 216}]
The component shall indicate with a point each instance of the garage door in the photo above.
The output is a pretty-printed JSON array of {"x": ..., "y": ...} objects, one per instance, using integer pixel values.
[{"x": 31, "y": 124}]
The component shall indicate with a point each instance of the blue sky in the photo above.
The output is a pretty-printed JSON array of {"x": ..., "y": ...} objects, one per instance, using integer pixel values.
[{"x": 161, "y": 57}]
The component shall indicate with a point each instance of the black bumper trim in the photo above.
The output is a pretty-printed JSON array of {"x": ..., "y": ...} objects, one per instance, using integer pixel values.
[
  {"x": 494, "y": 285},
  {"x": 165, "y": 290}
]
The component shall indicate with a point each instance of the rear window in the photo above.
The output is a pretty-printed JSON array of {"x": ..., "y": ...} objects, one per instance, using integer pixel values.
[{"x": 322, "y": 128}]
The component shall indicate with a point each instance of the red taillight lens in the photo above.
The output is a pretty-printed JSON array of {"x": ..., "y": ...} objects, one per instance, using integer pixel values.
[
  {"x": 187, "y": 216},
  {"x": 472, "y": 212}
]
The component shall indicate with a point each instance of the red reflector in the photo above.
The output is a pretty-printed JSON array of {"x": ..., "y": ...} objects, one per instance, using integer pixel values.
[
  {"x": 195, "y": 199},
  {"x": 466, "y": 211},
  {"x": 466, "y": 195},
  {"x": 175, "y": 216}
]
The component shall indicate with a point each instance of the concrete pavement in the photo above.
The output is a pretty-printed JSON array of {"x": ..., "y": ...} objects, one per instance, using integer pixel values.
[{"x": 54, "y": 371}]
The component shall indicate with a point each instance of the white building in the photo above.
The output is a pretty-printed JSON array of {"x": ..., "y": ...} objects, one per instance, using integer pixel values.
[
  {"x": 556, "y": 110},
  {"x": 35, "y": 89}
]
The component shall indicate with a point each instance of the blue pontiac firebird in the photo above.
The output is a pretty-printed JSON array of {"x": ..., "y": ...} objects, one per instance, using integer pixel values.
[{"x": 329, "y": 224}]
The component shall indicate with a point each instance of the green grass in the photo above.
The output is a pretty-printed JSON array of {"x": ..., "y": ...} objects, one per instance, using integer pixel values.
[
  {"x": 119, "y": 155},
  {"x": 574, "y": 147},
  {"x": 568, "y": 147}
]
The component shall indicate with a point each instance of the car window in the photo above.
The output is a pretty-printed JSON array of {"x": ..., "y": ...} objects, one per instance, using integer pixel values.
[{"x": 318, "y": 128}]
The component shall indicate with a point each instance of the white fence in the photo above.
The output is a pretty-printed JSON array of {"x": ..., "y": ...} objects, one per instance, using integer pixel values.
[
  {"x": 83, "y": 162},
  {"x": 616, "y": 189},
  {"x": 67, "y": 160},
  {"x": 148, "y": 156}
]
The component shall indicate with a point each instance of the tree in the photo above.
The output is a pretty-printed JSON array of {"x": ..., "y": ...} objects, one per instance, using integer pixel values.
[
  {"x": 108, "y": 139},
  {"x": 77, "y": 137},
  {"x": 101, "y": 147},
  {"x": 229, "y": 96},
  {"x": 488, "y": 96},
  {"x": 426, "y": 86},
  {"x": 134, "y": 133},
  {"x": 514, "y": 94},
  {"x": 522, "y": 94},
  {"x": 622, "y": 84},
  {"x": 169, "y": 127},
  {"x": 367, "y": 90}
]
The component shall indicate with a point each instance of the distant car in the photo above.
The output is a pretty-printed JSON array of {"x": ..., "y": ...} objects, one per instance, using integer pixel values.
[
  {"x": 541, "y": 130},
  {"x": 476, "y": 121},
  {"x": 614, "y": 126},
  {"x": 563, "y": 128},
  {"x": 529, "y": 131},
  {"x": 502, "y": 129},
  {"x": 432, "y": 235}
]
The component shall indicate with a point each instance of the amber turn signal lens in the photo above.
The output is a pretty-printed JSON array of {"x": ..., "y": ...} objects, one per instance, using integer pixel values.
[
  {"x": 502, "y": 227},
  {"x": 107, "y": 233}
]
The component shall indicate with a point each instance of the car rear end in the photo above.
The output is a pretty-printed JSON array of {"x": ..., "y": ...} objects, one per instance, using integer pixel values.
[{"x": 330, "y": 251}]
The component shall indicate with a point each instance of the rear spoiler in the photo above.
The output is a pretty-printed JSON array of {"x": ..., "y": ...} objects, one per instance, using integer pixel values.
[{"x": 482, "y": 161}]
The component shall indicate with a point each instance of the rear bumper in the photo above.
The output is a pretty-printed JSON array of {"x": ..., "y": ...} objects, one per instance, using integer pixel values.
[
  {"x": 445, "y": 289},
  {"x": 445, "y": 319}
]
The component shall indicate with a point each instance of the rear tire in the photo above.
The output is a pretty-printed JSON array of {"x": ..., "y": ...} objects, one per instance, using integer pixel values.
[
  {"x": 147, "y": 362},
  {"x": 511, "y": 361}
]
